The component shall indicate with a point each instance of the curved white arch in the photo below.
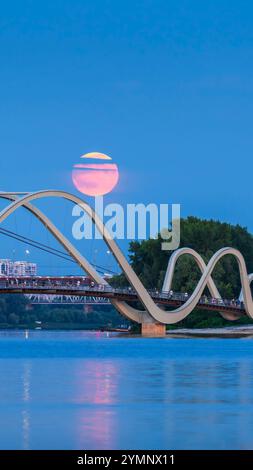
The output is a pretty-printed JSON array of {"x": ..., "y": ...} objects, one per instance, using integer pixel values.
[
  {"x": 250, "y": 278},
  {"x": 144, "y": 296},
  {"x": 202, "y": 266},
  {"x": 153, "y": 310},
  {"x": 139, "y": 316}
]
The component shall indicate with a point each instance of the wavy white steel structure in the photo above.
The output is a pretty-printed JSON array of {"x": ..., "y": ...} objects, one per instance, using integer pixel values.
[
  {"x": 152, "y": 313},
  {"x": 139, "y": 316},
  {"x": 250, "y": 277},
  {"x": 202, "y": 266}
]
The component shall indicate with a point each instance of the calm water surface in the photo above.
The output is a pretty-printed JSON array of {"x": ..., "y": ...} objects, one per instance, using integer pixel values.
[{"x": 79, "y": 390}]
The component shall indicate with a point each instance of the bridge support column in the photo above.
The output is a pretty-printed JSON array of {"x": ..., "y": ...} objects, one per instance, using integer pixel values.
[{"x": 153, "y": 329}]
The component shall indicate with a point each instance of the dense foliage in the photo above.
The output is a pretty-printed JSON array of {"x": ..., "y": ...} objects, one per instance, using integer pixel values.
[
  {"x": 206, "y": 237},
  {"x": 150, "y": 263},
  {"x": 15, "y": 312}
]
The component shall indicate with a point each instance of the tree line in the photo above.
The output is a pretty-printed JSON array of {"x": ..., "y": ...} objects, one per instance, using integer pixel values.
[
  {"x": 150, "y": 263},
  {"x": 206, "y": 237}
]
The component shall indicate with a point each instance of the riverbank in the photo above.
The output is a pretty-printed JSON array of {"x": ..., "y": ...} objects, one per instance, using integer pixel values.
[
  {"x": 245, "y": 331},
  {"x": 63, "y": 326}
]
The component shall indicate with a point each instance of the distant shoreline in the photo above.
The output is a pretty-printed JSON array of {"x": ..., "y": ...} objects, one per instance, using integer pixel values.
[
  {"x": 245, "y": 331},
  {"x": 63, "y": 327}
]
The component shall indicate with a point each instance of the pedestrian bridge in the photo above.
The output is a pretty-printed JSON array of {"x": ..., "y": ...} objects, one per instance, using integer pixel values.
[
  {"x": 153, "y": 315},
  {"x": 76, "y": 288}
]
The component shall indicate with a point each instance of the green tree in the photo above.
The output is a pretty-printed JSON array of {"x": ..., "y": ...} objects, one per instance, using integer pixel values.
[{"x": 206, "y": 237}]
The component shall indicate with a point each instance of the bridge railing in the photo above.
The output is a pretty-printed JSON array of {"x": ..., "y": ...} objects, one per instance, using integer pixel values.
[{"x": 67, "y": 285}]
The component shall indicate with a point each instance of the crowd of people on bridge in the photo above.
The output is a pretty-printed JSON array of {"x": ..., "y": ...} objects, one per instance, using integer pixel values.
[
  {"x": 204, "y": 299},
  {"x": 85, "y": 283}
]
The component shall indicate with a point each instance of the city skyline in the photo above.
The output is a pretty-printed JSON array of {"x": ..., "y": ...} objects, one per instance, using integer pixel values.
[{"x": 10, "y": 267}]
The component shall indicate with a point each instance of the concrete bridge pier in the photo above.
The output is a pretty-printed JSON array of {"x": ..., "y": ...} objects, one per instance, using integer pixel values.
[{"x": 153, "y": 330}]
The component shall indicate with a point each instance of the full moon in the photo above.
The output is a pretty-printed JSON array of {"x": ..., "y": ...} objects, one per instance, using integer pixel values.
[{"x": 95, "y": 178}]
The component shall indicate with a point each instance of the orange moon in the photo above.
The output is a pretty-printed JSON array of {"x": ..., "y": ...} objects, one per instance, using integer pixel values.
[{"x": 93, "y": 178}]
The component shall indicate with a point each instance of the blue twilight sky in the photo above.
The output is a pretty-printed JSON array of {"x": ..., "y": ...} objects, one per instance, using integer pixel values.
[{"x": 163, "y": 86}]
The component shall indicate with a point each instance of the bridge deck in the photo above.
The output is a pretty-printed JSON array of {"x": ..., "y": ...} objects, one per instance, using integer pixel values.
[{"x": 73, "y": 287}]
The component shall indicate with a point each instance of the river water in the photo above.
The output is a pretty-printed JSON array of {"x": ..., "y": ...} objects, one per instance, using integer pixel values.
[{"x": 90, "y": 390}]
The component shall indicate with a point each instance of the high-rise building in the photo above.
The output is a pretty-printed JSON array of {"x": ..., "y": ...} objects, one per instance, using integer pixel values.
[
  {"x": 17, "y": 268},
  {"x": 5, "y": 267}
]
